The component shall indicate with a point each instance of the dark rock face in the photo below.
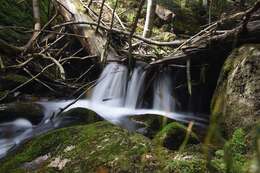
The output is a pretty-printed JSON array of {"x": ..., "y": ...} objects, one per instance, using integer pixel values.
[{"x": 236, "y": 102}]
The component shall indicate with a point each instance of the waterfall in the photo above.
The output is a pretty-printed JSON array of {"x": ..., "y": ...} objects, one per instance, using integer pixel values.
[
  {"x": 111, "y": 85},
  {"x": 115, "y": 87},
  {"x": 162, "y": 98}
]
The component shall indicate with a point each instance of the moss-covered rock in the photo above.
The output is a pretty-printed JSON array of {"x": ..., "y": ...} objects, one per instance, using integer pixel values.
[
  {"x": 95, "y": 148},
  {"x": 175, "y": 135},
  {"x": 31, "y": 111},
  {"x": 80, "y": 116},
  {"x": 236, "y": 99}
]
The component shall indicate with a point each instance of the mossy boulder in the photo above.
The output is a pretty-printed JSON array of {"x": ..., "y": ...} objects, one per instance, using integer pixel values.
[
  {"x": 174, "y": 136},
  {"x": 236, "y": 101},
  {"x": 30, "y": 111},
  {"x": 79, "y": 116},
  {"x": 98, "y": 147}
]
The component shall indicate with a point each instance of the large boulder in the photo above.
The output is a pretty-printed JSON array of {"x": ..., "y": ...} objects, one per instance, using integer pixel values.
[
  {"x": 236, "y": 102},
  {"x": 98, "y": 147}
]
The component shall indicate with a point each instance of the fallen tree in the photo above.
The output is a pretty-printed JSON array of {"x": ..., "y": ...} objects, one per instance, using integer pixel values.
[{"x": 208, "y": 41}]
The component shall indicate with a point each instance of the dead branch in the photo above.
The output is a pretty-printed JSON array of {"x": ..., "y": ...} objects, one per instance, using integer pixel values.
[
  {"x": 134, "y": 26},
  {"x": 174, "y": 43},
  {"x": 246, "y": 32},
  {"x": 100, "y": 14}
]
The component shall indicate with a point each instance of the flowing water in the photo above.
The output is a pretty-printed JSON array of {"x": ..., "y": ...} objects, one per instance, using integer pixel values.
[{"x": 117, "y": 95}]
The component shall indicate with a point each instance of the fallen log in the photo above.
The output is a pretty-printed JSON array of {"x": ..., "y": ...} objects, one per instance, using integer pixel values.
[{"x": 94, "y": 42}]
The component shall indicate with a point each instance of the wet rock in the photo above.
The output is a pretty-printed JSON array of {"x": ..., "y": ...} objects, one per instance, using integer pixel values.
[
  {"x": 236, "y": 101},
  {"x": 149, "y": 124},
  {"x": 172, "y": 136},
  {"x": 79, "y": 116},
  {"x": 30, "y": 111},
  {"x": 98, "y": 147}
]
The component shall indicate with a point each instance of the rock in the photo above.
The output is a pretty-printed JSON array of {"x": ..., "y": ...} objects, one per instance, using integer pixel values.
[
  {"x": 30, "y": 111},
  {"x": 163, "y": 13},
  {"x": 173, "y": 135},
  {"x": 150, "y": 124},
  {"x": 98, "y": 147},
  {"x": 236, "y": 103},
  {"x": 79, "y": 116}
]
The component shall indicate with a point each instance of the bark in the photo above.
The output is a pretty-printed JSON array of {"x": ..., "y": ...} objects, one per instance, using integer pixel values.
[
  {"x": 94, "y": 42},
  {"x": 150, "y": 14}
]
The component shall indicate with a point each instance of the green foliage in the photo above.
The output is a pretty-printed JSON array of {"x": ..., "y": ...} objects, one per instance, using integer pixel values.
[
  {"x": 233, "y": 158},
  {"x": 17, "y": 13},
  {"x": 191, "y": 165}
]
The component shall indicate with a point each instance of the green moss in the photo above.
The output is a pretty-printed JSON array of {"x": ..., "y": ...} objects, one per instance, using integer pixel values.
[
  {"x": 233, "y": 158},
  {"x": 173, "y": 136},
  {"x": 94, "y": 145},
  {"x": 191, "y": 165},
  {"x": 101, "y": 145}
]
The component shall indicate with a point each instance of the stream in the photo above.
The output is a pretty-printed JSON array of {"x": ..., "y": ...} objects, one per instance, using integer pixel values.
[{"x": 116, "y": 97}]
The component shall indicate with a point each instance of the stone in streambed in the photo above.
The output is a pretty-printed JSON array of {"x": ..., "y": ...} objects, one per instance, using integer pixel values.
[{"x": 30, "y": 111}]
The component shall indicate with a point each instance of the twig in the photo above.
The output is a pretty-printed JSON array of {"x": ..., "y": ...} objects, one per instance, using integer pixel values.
[
  {"x": 188, "y": 76},
  {"x": 116, "y": 15},
  {"x": 86, "y": 72},
  {"x": 39, "y": 81},
  {"x": 100, "y": 14},
  {"x": 25, "y": 83},
  {"x": 61, "y": 69},
  {"x": 77, "y": 99}
]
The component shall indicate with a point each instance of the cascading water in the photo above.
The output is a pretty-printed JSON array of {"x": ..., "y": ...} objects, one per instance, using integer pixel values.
[
  {"x": 163, "y": 99},
  {"x": 116, "y": 88},
  {"x": 115, "y": 97},
  {"x": 111, "y": 86}
]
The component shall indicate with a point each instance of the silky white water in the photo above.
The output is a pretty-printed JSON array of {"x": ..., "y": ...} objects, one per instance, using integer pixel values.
[{"x": 117, "y": 95}]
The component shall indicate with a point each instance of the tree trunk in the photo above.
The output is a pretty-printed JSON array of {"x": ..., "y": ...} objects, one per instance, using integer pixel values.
[{"x": 150, "y": 14}]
